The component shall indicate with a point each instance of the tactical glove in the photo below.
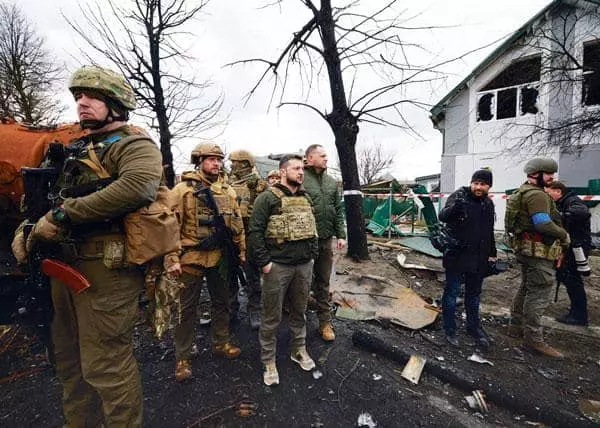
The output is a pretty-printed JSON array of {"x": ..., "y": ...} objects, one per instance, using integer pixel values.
[{"x": 19, "y": 248}]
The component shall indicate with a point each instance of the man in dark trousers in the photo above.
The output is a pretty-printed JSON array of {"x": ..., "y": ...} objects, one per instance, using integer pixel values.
[
  {"x": 469, "y": 214},
  {"x": 576, "y": 220}
]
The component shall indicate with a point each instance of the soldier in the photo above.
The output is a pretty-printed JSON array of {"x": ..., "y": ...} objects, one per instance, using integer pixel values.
[
  {"x": 202, "y": 255},
  {"x": 329, "y": 213},
  {"x": 538, "y": 239},
  {"x": 576, "y": 219},
  {"x": 273, "y": 177},
  {"x": 92, "y": 331},
  {"x": 283, "y": 242},
  {"x": 247, "y": 184}
]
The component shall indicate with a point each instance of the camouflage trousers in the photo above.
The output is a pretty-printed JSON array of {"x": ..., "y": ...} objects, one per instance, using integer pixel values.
[
  {"x": 293, "y": 282},
  {"x": 320, "y": 282},
  {"x": 92, "y": 335},
  {"x": 190, "y": 295},
  {"x": 533, "y": 296}
]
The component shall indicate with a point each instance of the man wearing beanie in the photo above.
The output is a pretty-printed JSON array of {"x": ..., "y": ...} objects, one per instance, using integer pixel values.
[{"x": 469, "y": 215}]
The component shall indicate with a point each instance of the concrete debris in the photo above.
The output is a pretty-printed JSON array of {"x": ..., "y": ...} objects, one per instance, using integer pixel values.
[
  {"x": 434, "y": 265},
  {"x": 377, "y": 376},
  {"x": 479, "y": 359},
  {"x": 317, "y": 374},
  {"x": 366, "y": 420},
  {"x": 413, "y": 369},
  {"x": 476, "y": 401}
]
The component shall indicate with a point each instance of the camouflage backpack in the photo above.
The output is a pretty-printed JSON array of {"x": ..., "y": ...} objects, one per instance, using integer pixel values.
[{"x": 512, "y": 217}]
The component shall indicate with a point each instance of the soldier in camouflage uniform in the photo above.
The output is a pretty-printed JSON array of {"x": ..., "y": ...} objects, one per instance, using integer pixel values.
[
  {"x": 283, "y": 242},
  {"x": 536, "y": 235},
  {"x": 246, "y": 182},
  {"x": 273, "y": 177},
  {"x": 92, "y": 331},
  {"x": 202, "y": 255}
]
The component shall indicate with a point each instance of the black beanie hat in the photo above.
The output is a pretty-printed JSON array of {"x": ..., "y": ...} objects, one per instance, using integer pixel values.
[{"x": 484, "y": 175}]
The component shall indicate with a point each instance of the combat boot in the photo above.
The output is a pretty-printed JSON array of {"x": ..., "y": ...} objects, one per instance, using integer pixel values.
[
  {"x": 183, "y": 370},
  {"x": 543, "y": 349},
  {"x": 326, "y": 331},
  {"x": 227, "y": 350},
  {"x": 271, "y": 375},
  {"x": 301, "y": 357}
]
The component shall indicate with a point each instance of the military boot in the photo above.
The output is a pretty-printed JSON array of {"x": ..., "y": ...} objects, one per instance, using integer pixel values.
[
  {"x": 543, "y": 349},
  {"x": 326, "y": 331},
  {"x": 301, "y": 357},
  {"x": 271, "y": 375},
  {"x": 183, "y": 370},
  {"x": 227, "y": 350}
]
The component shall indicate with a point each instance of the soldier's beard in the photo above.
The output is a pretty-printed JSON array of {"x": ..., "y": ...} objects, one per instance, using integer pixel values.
[{"x": 294, "y": 183}]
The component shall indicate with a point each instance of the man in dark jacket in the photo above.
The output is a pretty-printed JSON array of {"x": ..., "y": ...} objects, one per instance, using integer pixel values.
[
  {"x": 329, "y": 214},
  {"x": 282, "y": 241},
  {"x": 469, "y": 214},
  {"x": 576, "y": 220}
]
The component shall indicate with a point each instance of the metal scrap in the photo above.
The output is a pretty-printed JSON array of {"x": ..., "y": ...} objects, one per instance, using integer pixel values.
[
  {"x": 476, "y": 401},
  {"x": 479, "y": 359}
]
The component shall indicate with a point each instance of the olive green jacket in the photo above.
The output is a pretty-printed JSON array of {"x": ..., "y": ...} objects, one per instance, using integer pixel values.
[
  {"x": 329, "y": 210},
  {"x": 136, "y": 167},
  {"x": 262, "y": 250}
]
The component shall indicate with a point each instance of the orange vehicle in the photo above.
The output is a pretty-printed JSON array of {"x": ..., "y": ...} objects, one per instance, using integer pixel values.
[{"x": 23, "y": 146}]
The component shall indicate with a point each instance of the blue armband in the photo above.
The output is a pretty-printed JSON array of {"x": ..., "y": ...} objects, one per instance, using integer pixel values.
[{"x": 539, "y": 218}]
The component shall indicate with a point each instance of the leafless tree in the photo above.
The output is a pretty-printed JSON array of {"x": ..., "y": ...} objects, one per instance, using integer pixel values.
[
  {"x": 143, "y": 39},
  {"x": 28, "y": 75},
  {"x": 567, "y": 42},
  {"x": 373, "y": 162},
  {"x": 347, "y": 46}
]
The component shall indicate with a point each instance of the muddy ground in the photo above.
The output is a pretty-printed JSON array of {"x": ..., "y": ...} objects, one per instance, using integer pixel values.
[{"x": 353, "y": 381}]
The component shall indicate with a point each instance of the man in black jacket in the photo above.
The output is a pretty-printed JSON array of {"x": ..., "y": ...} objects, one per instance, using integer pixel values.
[
  {"x": 469, "y": 214},
  {"x": 576, "y": 220}
]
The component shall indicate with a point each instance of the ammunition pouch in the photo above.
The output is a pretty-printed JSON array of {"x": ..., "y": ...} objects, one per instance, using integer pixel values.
[{"x": 533, "y": 244}]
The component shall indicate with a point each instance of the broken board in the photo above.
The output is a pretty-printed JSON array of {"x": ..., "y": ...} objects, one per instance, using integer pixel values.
[{"x": 394, "y": 302}]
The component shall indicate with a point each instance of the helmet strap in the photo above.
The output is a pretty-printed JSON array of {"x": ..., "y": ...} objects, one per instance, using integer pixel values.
[{"x": 116, "y": 113}]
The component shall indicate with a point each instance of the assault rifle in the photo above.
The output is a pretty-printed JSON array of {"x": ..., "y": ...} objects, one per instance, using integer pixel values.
[
  {"x": 223, "y": 236},
  {"x": 34, "y": 303}
]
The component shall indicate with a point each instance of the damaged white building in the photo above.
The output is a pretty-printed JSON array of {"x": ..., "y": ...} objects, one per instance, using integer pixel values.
[{"x": 537, "y": 93}]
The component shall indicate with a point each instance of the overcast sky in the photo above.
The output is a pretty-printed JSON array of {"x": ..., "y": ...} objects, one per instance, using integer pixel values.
[{"x": 231, "y": 30}]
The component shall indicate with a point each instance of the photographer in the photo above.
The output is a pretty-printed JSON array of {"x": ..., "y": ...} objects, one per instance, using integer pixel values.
[
  {"x": 469, "y": 214},
  {"x": 576, "y": 220}
]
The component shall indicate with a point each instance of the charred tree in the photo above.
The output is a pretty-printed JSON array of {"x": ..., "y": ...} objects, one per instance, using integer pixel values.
[
  {"x": 350, "y": 42},
  {"x": 143, "y": 39}
]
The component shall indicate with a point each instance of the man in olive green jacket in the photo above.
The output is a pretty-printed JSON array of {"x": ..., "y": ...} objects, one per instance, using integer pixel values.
[
  {"x": 282, "y": 241},
  {"x": 329, "y": 214}
]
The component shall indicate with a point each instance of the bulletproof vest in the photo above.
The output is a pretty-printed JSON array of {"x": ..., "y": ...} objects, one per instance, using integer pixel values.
[
  {"x": 523, "y": 238},
  {"x": 200, "y": 225},
  {"x": 295, "y": 220}
]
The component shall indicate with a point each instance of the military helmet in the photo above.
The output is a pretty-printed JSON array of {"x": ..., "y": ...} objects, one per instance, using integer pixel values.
[
  {"x": 547, "y": 165},
  {"x": 206, "y": 149},
  {"x": 109, "y": 83},
  {"x": 274, "y": 173},
  {"x": 243, "y": 155}
]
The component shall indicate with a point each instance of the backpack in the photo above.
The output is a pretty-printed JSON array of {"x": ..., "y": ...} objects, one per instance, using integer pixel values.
[{"x": 512, "y": 216}]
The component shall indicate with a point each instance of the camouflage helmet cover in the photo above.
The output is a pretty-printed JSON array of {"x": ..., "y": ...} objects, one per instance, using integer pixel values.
[
  {"x": 547, "y": 165},
  {"x": 109, "y": 83},
  {"x": 206, "y": 149},
  {"x": 242, "y": 155},
  {"x": 274, "y": 173}
]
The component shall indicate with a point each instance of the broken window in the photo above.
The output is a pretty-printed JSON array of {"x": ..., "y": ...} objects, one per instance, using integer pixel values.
[
  {"x": 517, "y": 73},
  {"x": 484, "y": 108},
  {"x": 529, "y": 100},
  {"x": 507, "y": 103},
  {"x": 512, "y": 90},
  {"x": 591, "y": 74}
]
